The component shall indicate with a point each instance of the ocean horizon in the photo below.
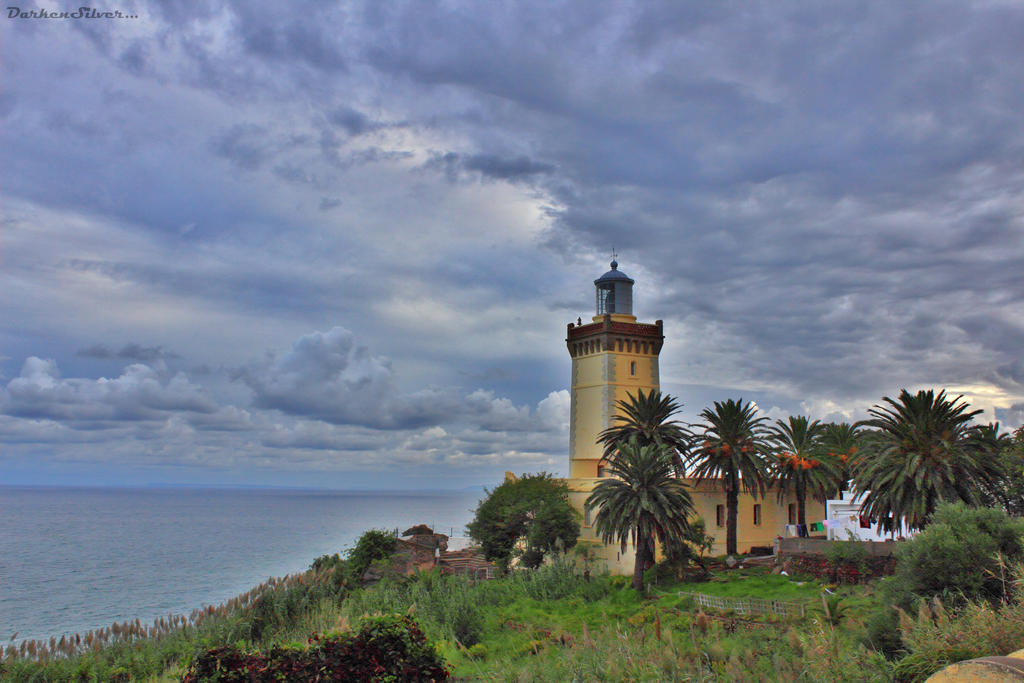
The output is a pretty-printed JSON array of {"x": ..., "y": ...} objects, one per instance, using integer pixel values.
[{"x": 78, "y": 558}]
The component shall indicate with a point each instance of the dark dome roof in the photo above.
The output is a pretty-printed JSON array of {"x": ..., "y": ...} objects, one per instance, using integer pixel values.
[{"x": 614, "y": 275}]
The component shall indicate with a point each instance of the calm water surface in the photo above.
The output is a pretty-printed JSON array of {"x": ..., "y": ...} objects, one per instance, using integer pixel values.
[{"x": 75, "y": 559}]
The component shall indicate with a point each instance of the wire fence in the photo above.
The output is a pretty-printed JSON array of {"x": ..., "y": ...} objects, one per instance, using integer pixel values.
[{"x": 748, "y": 605}]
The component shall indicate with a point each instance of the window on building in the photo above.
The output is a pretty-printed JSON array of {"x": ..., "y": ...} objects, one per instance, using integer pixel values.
[
  {"x": 720, "y": 515},
  {"x": 632, "y": 368},
  {"x": 605, "y": 298},
  {"x": 757, "y": 514},
  {"x": 586, "y": 516},
  {"x": 792, "y": 513},
  {"x": 600, "y": 470}
]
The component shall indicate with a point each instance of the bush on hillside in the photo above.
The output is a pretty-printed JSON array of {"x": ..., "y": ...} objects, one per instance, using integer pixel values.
[
  {"x": 962, "y": 555},
  {"x": 388, "y": 648},
  {"x": 327, "y": 562},
  {"x": 680, "y": 560},
  {"x": 373, "y": 546}
]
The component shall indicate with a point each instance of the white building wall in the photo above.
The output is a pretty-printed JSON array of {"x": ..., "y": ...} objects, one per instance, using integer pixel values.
[{"x": 843, "y": 509}]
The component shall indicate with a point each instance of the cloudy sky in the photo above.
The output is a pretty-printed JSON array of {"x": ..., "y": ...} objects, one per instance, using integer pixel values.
[{"x": 338, "y": 244}]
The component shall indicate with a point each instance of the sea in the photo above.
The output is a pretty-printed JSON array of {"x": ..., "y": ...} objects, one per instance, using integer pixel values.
[{"x": 77, "y": 559}]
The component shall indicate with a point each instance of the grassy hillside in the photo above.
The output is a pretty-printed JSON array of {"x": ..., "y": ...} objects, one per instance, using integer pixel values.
[{"x": 552, "y": 625}]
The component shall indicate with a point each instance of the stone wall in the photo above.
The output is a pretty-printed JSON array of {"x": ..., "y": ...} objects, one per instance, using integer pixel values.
[
  {"x": 811, "y": 556},
  {"x": 821, "y": 546},
  {"x": 819, "y": 567}
]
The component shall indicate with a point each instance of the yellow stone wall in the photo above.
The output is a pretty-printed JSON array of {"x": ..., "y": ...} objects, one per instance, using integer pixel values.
[
  {"x": 599, "y": 382},
  {"x": 774, "y": 516}
]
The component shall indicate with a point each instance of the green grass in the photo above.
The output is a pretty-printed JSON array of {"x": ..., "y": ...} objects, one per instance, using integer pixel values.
[
  {"x": 547, "y": 625},
  {"x": 551, "y": 625},
  {"x": 615, "y": 637},
  {"x": 753, "y": 583}
]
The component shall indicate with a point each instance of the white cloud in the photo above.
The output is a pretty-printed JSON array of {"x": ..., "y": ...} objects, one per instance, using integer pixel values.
[
  {"x": 139, "y": 393},
  {"x": 328, "y": 376}
]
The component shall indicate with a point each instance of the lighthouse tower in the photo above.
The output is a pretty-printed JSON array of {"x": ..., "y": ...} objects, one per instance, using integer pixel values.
[{"x": 613, "y": 356}]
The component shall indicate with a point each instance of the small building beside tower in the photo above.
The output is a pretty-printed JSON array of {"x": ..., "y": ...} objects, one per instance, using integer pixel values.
[{"x": 613, "y": 357}]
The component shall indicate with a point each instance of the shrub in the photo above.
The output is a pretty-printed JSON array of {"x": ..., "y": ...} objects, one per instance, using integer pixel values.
[
  {"x": 848, "y": 560},
  {"x": 882, "y": 632},
  {"x": 388, "y": 648},
  {"x": 326, "y": 562},
  {"x": 372, "y": 546},
  {"x": 960, "y": 556}
]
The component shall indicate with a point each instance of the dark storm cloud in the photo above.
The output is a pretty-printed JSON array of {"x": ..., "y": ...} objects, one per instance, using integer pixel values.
[
  {"x": 354, "y": 122},
  {"x": 295, "y": 38},
  {"x": 127, "y": 352},
  {"x": 491, "y": 166},
  {"x": 506, "y": 168},
  {"x": 281, "y": 291},
  {"x": 244, "y": 145}
]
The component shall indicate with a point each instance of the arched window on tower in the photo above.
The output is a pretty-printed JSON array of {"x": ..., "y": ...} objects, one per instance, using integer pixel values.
[{"x": 632, "y": 368}]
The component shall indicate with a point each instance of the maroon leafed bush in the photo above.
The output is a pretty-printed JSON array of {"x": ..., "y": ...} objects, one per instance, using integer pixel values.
[{"x": 389, "y": 648}]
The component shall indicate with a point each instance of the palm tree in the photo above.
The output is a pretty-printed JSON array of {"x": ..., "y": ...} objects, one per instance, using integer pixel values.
[
  {"x": 642, "y": 502},
  {"x": 801, "y": 466},
  {"x": 646, "y": 417},
  {"x": 733, "y": 452},
  {"x": 1006, "y": 490},
  {"x": 923, "y": 451},
  {"x": 841, "y": 440}
]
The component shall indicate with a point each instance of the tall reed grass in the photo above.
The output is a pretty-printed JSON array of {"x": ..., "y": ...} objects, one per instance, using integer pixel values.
[{"x": 132, "y": 650}]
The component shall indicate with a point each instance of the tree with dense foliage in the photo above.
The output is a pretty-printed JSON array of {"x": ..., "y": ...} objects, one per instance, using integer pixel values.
[
  {"x": 647, "y": 418},
  {"x": 801, "y": 467},
  {"x": 733, "y": 452},
  {"x": 643, "y": 502},
  {"x": 529, "y": 517},
  {"x": 923, "y": 451}
]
